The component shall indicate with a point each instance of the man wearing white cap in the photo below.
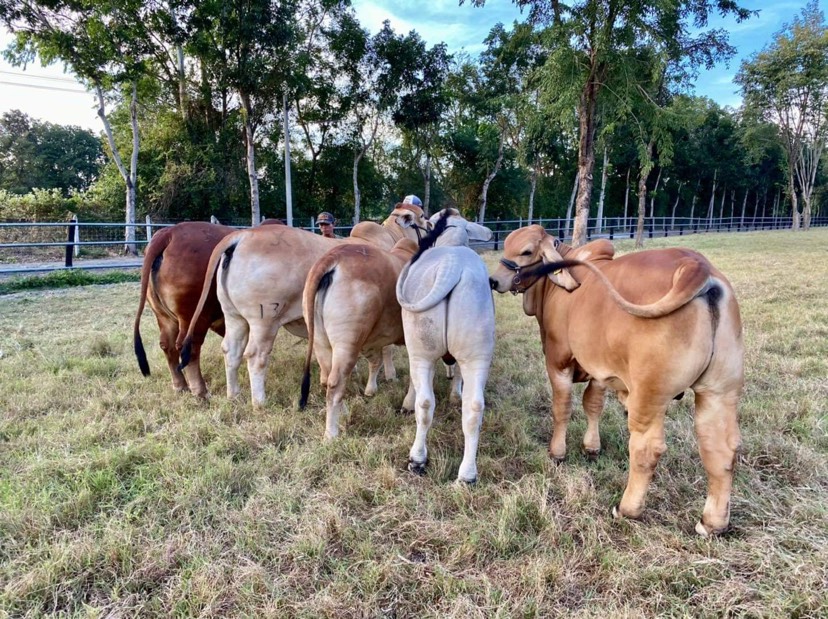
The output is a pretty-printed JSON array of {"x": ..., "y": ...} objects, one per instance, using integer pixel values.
[{"x": 412, "y": 199}]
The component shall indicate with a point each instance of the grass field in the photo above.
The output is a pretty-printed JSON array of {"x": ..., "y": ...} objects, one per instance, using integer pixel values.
[{"x": 119, "y": 498}]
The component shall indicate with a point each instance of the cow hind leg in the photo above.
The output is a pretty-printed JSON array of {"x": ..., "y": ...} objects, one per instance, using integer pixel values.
[
  {"x": 422, "y": 377},
  {"x": 473, "y": 407},
  {"x": 335, "y": 407},
  {"x": 719, "y": 439},
  {"x": 257, "y": 354},
  {"x": 646, "y": 423},
  {"x": 410, "y": 399},
  {"x": 375, "y": 361},
  {"x": 235, "y": 340},
  {"x": 593, "y": 407},
  {"x": 456, "y": 391},
  {"x": 388, "y": 363},
  {"x": 167, "y": 341}
]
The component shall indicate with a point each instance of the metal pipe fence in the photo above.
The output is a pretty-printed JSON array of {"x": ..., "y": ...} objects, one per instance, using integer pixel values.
[{"x": 24, "y": 243}]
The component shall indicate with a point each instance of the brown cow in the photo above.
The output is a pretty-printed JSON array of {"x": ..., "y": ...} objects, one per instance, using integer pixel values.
[
  {"x": 648, "y": 325},
  {"x": 172, "y": 276},
  {"x": 260, "y": 286},
  {"x": 350, "y": 306}
]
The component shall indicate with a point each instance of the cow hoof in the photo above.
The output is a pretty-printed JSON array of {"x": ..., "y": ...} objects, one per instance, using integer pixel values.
[
  {"x": 467, "y": 482},
  {"x": 704, "y": 531},
  {"x": 592, "y": 454},
  {"x": 558, "y": 460},
  {"x": 370, "y": 393},
  {"x": 418, "y": 468},
  {"x": 406, "y": 411},
  {"x": 616, "y": 514}
]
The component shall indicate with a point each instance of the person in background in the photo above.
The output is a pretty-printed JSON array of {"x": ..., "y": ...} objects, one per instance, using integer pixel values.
[
  {"x": 412, "y": 199},
  {"x": 326, "y": 222}
]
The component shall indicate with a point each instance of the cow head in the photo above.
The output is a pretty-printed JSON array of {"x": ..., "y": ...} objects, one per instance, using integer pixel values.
[
  {"x": 409, "y": 216},
  {"x": 458, "y": 230},
  {"x": 523, "y": 250}
]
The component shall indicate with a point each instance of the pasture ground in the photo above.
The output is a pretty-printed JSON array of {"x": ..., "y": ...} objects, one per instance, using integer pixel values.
[{"x": 119, "y": 498}]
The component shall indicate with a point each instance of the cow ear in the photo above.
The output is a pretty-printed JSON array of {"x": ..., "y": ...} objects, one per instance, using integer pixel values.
[
  {"x": 561, "y": 277},
  {"x": 406, "y": 220},
  {"x": 477, "y": 232}
]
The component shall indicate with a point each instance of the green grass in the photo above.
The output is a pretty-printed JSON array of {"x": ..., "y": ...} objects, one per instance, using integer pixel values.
[
  {"x": 120, "y": 498},
  {"x": 66, "y": 279}
]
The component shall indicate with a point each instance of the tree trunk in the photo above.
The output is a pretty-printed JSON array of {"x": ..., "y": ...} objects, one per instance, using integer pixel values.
[
  {"x": 357, "y": 195},
  {"x": 712, "y": 200},
  {"x": 489, "y": 178},
  {"x": 653, "y": 195},
  {"x": 627, "y": 196},
  {"x": 427, "y": 178},
  {"x": 721, "y": 205},
  {"x": 675, "y": 205},
  {"x": 744, "y": 206},
  {"x": 255, "y": 213},
  {"x": 600, "y": 215},
  {"x": 643, "y": 175},
  {"x": 571, "y": 204},
  {"x": 130, "y": 177},
  {"x": 182, "y": 83},
  {"x": 642, "y": 207},
  {"x": 794, "y": 202},
  {"x": 288, "y": 180},
  {"x": 586, "y": 157},
  {"x": 533, "y": 183}
]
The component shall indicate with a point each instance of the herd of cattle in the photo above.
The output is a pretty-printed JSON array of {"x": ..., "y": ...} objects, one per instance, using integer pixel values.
[{"x": 647, "y": 325}]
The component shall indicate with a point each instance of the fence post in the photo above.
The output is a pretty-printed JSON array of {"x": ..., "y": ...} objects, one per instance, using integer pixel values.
[
  {"x": 70, "y": 241},
  {"x": 149, "y": 229},
  {"x": 77, "y": 238},
  {"x": 213, "y": 219},
  {"x": 497, "y": 235}
]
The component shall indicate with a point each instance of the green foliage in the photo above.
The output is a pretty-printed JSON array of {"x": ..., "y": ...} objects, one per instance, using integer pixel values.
[
  {"x": 35, "y": 154},
  {"x": 65, "y": 279}
]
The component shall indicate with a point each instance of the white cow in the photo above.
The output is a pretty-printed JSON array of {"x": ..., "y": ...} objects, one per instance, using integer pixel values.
[{"x": 447, "y": 307}]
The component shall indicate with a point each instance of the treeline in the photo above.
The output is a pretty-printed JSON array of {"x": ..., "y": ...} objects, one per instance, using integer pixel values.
[{"x": 581, "y": 110}]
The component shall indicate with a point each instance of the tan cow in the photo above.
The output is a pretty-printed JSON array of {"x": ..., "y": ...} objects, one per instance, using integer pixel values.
[
  {"x": 350, "y": 306},
  {"x": 260, "y": 287},
  {"x": 648, "y": 325},
  {"x": 172, "y": 277}
]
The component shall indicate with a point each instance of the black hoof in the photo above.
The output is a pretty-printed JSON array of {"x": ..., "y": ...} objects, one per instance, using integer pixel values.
[
  {"x": 592, "y": 454},
  {"x": 467, "y": 482},
  {"x": 418, "y": 468},
  {"x": 557, "y": 461}
]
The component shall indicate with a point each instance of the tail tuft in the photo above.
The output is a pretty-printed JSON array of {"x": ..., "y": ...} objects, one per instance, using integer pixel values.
[
  {"x": 141, "y": 354},
  {"x": 303, "y": 400},
  {"x": 186, "y": 353}
]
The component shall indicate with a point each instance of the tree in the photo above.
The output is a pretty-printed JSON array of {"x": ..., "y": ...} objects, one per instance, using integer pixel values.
[
  {"x": 787, "y": 84},
  {"x": 106, "y": 45},
  {"x": 47, "y": 156},
  {"x": 246, "y": 46},
  {"x": 587, "y": 41}
]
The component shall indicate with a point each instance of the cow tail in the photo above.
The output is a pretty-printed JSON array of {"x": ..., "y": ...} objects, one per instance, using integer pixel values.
[
  {"x": 318, "y": 280},
  {"x": 447, "y": 277},
  {"x": 225, "y": 249},
  {"x": 691, "y": 279},
  {"x": 152, "y": 253}
]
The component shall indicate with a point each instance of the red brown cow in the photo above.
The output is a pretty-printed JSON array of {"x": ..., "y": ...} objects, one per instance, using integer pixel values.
[
  {"x": 648, "y": 325},
  {"x": 350, "y": 307},
  {"x": 172, "y": 277}
]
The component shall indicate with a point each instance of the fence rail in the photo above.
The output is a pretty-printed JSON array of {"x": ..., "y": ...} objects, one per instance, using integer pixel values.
[{"x": 38, "y": 242}]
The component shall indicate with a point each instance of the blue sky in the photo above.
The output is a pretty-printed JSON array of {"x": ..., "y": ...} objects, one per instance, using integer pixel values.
[{"x": 51, "y": 95}]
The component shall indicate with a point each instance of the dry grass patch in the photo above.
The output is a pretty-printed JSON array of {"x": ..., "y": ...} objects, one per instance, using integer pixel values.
[{"x": 120, "y": 498}]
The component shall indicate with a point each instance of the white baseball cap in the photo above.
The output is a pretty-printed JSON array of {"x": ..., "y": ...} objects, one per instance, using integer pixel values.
[{"x": 412, "y": 199}]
